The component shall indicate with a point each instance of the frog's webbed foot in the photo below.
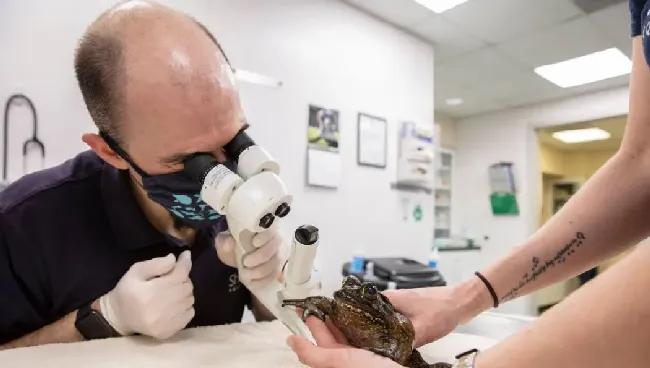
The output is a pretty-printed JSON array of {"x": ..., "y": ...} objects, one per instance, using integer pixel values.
[
  {"x": 417, "y": 361},
  {"x": 313, "y": 312},
  {"x": 317, "y": 306}
]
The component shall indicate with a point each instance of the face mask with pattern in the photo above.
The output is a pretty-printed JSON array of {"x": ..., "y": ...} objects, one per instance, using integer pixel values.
[{"x": 176, "y": 191}]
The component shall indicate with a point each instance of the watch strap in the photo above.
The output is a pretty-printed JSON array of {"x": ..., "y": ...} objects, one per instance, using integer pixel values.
[{"x": 466, "y": 359}]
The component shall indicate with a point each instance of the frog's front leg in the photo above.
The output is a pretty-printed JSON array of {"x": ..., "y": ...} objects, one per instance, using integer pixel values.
[{"x": 318, "y": 306}]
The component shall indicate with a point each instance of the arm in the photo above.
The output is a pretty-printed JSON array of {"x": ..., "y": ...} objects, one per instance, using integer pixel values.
[
  {"x": 61, "y": 331},
  {"x": 576, "y": 334},
  {"x": 25, "y": 317},
  {"x": 604, "y": 324},
  {"x": 23, "y": 297},
  {"x": 596, "y": 224}
]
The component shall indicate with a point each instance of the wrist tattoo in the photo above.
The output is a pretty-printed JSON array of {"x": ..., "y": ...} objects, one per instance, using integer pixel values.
[{"x": 540, "y": 268}]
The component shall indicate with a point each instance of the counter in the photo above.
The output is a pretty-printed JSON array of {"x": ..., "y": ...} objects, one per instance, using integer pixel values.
[{"x": 242, "y": 345}]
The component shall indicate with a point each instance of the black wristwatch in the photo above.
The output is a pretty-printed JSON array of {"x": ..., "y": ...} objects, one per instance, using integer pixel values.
[{"x": 92, "y": 325}]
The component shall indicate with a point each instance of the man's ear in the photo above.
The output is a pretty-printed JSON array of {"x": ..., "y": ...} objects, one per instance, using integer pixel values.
[{"x": 97, "y": 144}]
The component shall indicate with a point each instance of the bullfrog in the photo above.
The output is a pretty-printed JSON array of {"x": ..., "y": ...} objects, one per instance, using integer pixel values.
[{"x": 368, "y": 320}]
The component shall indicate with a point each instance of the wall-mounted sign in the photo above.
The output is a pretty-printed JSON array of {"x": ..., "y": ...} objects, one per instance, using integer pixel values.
[{"x": 417, "y": 213}]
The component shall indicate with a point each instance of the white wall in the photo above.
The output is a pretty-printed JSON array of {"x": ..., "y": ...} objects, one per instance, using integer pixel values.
[
  {"x": 509, "y": 136},
  {"x": 324, "y": 52}
]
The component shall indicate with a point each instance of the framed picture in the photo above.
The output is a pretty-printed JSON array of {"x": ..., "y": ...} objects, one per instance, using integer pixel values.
[
  {"x": 372, "y": 140},
  {"x": 324, "y": 163},
  {"x": 323, "y": 129}
]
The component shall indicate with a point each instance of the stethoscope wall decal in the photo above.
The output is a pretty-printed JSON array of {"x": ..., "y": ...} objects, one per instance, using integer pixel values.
[{"x": 18, "y": 99}]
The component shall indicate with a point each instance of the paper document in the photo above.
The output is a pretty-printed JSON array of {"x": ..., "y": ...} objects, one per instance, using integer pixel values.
[
  {"x": 502, "y": 179},
  {"x": 323, "y": 168}
]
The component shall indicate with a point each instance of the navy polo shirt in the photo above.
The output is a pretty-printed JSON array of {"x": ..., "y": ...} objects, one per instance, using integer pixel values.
[
  {"x": 640, "y": 23},
  {"x": 69, "y": 233},
  {"x": 636, "y": 15}
]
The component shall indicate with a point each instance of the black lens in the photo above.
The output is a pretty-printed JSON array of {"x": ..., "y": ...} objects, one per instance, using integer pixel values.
[
  {"x": 237, "y": 145},
  {"x": 199, "y": 165},
  {"x": 282, "y": 210},
  {"x": 266, "y": 221}
]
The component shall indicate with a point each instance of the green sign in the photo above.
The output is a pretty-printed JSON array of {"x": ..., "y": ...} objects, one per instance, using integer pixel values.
[
  {"x": 504, "y": 204},
  {"x": 417, "y": 213}
]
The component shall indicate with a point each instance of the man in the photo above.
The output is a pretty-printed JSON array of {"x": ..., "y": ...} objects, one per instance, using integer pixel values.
[
  {"x": 606, "y": 323},
  {"x": 107, "y": 244}
]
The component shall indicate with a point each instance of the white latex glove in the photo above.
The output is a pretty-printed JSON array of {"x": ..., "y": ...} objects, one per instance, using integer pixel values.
[
  {"x": 154, "y": 298},
  {"x": 262, "y": 265}
]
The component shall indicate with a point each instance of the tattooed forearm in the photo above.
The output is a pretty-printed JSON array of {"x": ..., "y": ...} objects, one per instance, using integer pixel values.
[{"x": 539, "y": 268}]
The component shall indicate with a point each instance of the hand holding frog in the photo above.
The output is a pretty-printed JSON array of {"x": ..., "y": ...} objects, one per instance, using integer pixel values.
[
  {"x": 437, "y": 311},
  {"x": 359, "y": 316},
  {"x": 333, "y": 350},
  {"x": 432, "y": 311}
]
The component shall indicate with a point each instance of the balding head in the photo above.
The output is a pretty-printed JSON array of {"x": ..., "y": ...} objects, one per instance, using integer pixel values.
[
  {"x": 125, "y": 38},
  {"x": 157, "y": 81}
]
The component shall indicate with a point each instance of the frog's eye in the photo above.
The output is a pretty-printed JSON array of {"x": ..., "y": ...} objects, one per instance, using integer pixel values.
[{"x": 370, "y": 289}]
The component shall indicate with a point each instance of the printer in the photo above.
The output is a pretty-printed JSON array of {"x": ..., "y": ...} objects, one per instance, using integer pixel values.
[{"x": 396, "y": 273}]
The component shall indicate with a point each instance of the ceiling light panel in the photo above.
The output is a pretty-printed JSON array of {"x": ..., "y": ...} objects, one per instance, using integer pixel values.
[
  {"x": 581, "y": 135},
  {"x": 586, "y": 69},
  {"x": 439, "y": 6}
]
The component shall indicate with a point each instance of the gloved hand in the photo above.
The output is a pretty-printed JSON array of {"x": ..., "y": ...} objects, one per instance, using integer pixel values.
[
  {"x": 262, "y": 265},
  {"x": 154, "y": 298}
]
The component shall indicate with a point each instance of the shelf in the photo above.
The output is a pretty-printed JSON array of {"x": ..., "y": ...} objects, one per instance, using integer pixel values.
[
  {"x": 410, "y": 187},
  {"x": 458, "y": 248}
]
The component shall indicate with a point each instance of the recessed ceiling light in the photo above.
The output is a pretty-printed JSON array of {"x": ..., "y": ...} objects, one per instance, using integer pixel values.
[
  {"x": 439, "y": 6},
  {"x": 585, "y": 69},
  {"x": 454, "y": 101},
  {"x": 581, "y": 135}
]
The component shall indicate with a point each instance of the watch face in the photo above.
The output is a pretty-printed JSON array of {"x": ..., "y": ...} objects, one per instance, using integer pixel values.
[{"x": 92, "y": 325}]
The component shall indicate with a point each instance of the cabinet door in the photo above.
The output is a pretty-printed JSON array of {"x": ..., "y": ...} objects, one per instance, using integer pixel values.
[
  {"x": 443, "y": 194},
  {"x": 458, "y": 266}
]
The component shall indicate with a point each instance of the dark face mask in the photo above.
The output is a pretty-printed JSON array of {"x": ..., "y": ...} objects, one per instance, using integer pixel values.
[{"x": 176, "y": 191}]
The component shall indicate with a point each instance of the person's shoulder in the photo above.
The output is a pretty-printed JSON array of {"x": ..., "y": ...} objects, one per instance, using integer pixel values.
[
  {"x": 35, "y": 190},
  {"x": 637, "y": 16},
  {"x": 637, "y": 5}
]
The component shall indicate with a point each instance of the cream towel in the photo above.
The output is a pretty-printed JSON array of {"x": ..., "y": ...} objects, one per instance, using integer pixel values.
[{"x": 233, "y": 346}]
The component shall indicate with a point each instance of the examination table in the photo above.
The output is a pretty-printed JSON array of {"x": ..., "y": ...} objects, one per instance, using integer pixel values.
[{"x": 233, "y": 346}]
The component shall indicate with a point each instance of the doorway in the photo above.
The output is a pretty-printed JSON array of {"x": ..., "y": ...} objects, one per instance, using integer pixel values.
[{"x": 568, "y": 156}]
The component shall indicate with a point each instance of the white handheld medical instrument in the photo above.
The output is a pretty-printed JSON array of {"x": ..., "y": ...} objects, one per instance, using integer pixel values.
[{"x": 251, "y": 200}]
